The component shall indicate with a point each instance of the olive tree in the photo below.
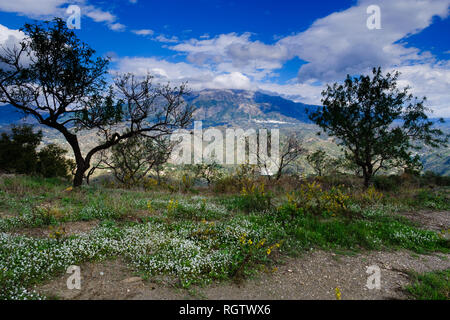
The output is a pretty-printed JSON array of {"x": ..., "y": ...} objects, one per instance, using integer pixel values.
[
  {"x": 57, "y": 79},
  {"x": 380, "y": 125}
]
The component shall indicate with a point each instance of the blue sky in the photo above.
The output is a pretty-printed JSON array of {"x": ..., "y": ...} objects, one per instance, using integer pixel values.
[{"x": 291, "y": 48}]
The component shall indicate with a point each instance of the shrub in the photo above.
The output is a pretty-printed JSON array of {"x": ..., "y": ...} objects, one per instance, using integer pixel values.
[
  {"x": 254, "y": 199},
  {"x": 387, "y": 183},
  {"x": 225, "y": 184},
  {"x": 317, "y": 201},
  {"x": 18, "y": 150},
  {"x": 52, "y": 162},
  {"x": 432, "y": 178}
]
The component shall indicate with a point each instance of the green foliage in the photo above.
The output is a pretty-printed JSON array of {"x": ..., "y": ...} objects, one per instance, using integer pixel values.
[
  {"x": 361, "y": 112},
  {"x": 18, "y": 154},
  {"x": 132, "y": 159},
  {"x": 430, "y": 285},
  {"x": 254, "y": 199},
  {"x": 18, "y": 150},
  {"x": 188, "y": 239},
  {"x": 431, "y": 178},
  {"x": 430, "y": 199},
  {"x": 209, "y": 171},
  {"x": 53, "y": 163},
  {"x": 318, "y": 160},
  {"x": 387, "y": 183}
]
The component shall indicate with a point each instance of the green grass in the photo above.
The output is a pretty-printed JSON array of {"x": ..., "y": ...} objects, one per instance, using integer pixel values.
[
  {"x": 430, "y": 286},
  {"x": 198, "y": 240}
]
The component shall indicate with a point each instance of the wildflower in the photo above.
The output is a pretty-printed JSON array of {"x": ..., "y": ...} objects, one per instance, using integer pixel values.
[
  {"x": 338, "y": 293},
  {"x": 149, "y": 206}
]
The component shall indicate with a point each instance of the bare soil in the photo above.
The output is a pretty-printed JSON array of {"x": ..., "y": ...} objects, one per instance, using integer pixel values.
[
  {"x": 430, "y": 220},
  {"x": 69, "y": 228},
  {"x": 315, "y": 275}
]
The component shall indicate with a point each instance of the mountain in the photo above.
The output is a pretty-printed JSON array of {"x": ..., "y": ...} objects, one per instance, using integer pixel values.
[{"x": 241, "y": 107}]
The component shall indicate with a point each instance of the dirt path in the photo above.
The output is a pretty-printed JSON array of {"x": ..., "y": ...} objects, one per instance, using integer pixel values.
[{"x": 315, "y": 275}]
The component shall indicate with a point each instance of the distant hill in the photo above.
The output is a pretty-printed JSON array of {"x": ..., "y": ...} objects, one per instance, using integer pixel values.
[{"x": 241, "y": 108}]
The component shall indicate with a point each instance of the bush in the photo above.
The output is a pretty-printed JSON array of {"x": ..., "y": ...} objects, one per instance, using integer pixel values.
[
  {"x": 18, "y": 150},
  {"x": 432, "y": 178},
  {"x": 225, "y": 184},
  {"x": 387, "y": 183},
  {"x": 52, "y": 162},
  {"x": 254, "y": 199}
]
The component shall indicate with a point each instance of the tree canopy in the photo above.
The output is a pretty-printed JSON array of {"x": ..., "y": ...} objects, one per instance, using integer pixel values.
[{"x": 379, "y": 125}]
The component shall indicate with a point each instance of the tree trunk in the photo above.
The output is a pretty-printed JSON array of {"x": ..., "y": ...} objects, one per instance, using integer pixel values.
[
  {"x": 78, "y": 180},
  {"x": 367, "y": 173}
]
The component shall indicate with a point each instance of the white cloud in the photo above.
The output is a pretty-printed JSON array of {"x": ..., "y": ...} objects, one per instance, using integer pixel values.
[
  {"x": 432, "y": 81},
  {"x": 164, "y": 39},
  {"x": 117, "y": 26},
  {"x": 341, "y": 43},
  {"x": 307, "y": 92},
  {"x": 197, "y": 77},
  {"x": 235, "y": 53},
  {"x": 98, "y": 15},
  {"x": 9, "y": 35},
  {"x": 32, "y": 8},
  {"x": 47, "y": 9},
  {"x": 334, "y": 46},
  {"x": 143, "y": 32},
  {"x": 234, "y": 80}
]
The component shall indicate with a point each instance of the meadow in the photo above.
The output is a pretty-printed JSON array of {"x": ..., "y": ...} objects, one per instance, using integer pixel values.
[{"x": 195, "y": 235}]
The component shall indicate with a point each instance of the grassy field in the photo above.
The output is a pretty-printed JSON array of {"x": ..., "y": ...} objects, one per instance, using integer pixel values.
[{"x": 199, "y": 236}]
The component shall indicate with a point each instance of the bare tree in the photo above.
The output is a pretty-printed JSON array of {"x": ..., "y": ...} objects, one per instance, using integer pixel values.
[
  {"x": 290, "y": 150},
  {"x": 55, "y": 77}
]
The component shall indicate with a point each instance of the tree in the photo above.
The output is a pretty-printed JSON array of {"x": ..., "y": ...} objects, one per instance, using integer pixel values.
[
  {"x": 290, "y": 151},
  {"x": 379, "y": 125},
  {"x": 209, "y": 170},
  {"x": 18, "y": 150},
  {"x": 132, "y": 159},
  {"x": 318, "y": 160},
  {"x": 56, "y": 78}
]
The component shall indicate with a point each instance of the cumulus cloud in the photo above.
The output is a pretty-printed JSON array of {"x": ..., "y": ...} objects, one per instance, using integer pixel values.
[
  {"x": 234, "y": 80},
  {"x": 34, "y": 9},
  {"x": 341, "y": 43},
  {"x": 164, "y": 39},
  {"x": 235, "y": 53},
  {"x": 9, "y": 36},
  {"x": 47, "y": 9},
  {"x": 430, "y": 80},
  {"x": 197, "y": 77},
  {"x": 334, "y": 46}
]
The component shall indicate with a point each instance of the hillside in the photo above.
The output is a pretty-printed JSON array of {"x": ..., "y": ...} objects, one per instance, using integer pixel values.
[{"x": 240, "y": 108}]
